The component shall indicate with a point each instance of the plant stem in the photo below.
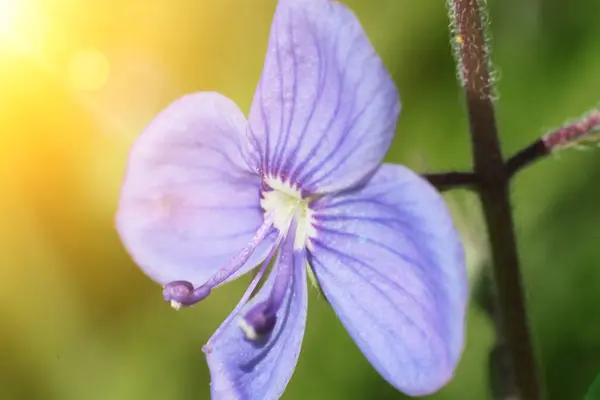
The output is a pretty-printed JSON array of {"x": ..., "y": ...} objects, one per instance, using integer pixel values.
[
  {"x": 527, "y": 156},
  {"x": 452, "y": 180},
  {"x": 493, "y": 186},
  {"x": 583, "y": 131}
]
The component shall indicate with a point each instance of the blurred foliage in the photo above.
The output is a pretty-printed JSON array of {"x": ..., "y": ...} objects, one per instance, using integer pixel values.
[
  {"x": 80, "y": 321},
  {"x": 594, "y": 391}
]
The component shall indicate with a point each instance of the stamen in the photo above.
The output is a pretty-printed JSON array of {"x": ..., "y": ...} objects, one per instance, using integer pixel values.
[
  {"x": 182, "y": 293},
  {"x": 260, "y": 320},
  {"x": 207, "y": 348},
  {"x": 240, "y": 259}
]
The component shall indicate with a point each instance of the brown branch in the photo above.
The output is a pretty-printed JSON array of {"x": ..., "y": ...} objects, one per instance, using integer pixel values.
[
  {"x": 452, "y": 180},
  {"x": 473, "y": 61},
  {"x": 585, "y": 130},
  {"x": 528, "y": 155}
]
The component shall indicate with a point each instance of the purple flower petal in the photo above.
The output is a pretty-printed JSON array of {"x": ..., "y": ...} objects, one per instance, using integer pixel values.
[
  {"x": 260, "y": 369},
  {"x": 189, "y": 202},
  {"x": 325, "y": 109},
  {"x": 391, "y": 264}
]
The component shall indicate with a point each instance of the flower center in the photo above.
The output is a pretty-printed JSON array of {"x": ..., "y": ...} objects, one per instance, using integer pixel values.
[{"x": 285, "y": 202}]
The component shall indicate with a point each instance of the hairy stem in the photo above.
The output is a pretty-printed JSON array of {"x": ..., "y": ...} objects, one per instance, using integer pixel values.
[
  {"x": 472, "y": 57},
  {"x": 583, "y": 131}
]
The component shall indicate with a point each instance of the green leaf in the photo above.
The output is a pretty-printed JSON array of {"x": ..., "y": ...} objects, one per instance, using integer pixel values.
[{"x": 594, "y": 390}]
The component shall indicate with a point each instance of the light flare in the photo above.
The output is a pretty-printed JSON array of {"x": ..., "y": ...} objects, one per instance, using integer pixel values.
[{"x": 88, "y": 69}]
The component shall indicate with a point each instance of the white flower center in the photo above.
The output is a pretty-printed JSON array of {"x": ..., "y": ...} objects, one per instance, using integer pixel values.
[{"x": 285, "y": 202}]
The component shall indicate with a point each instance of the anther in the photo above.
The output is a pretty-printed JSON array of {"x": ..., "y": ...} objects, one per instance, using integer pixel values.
[
  {"x": 182, "y": 294},
  {"x": 259, "y": 322}
]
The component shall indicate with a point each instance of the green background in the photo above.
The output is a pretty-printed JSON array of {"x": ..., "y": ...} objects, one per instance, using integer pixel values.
[{"x": 78, "y": 320}]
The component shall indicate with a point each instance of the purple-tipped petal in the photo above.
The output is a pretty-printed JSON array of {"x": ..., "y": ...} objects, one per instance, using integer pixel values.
[
  {"x": 325, "y": 109},
  {"x": 260, "y": 369},
  {"x": 189, "y": 202},
  {"x": 391, "y": 263}
]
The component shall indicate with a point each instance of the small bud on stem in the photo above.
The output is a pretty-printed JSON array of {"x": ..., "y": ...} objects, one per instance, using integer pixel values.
[
  {"x": 581, "y": 132},
  {"x": 585, "y": 130}
]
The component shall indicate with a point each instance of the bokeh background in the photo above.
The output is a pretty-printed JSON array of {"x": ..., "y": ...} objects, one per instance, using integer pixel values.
[{"x": 80, "y": 79}]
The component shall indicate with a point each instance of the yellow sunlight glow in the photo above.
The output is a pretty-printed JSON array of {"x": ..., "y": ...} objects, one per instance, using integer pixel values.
[
  {"x": 23, "y": 26},
  {"x": 8, "y": 15},
  {"x": 88, "y": 69}
]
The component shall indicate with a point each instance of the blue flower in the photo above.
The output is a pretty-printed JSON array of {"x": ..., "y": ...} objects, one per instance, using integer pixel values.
[{"x": 208, "y": 195}]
